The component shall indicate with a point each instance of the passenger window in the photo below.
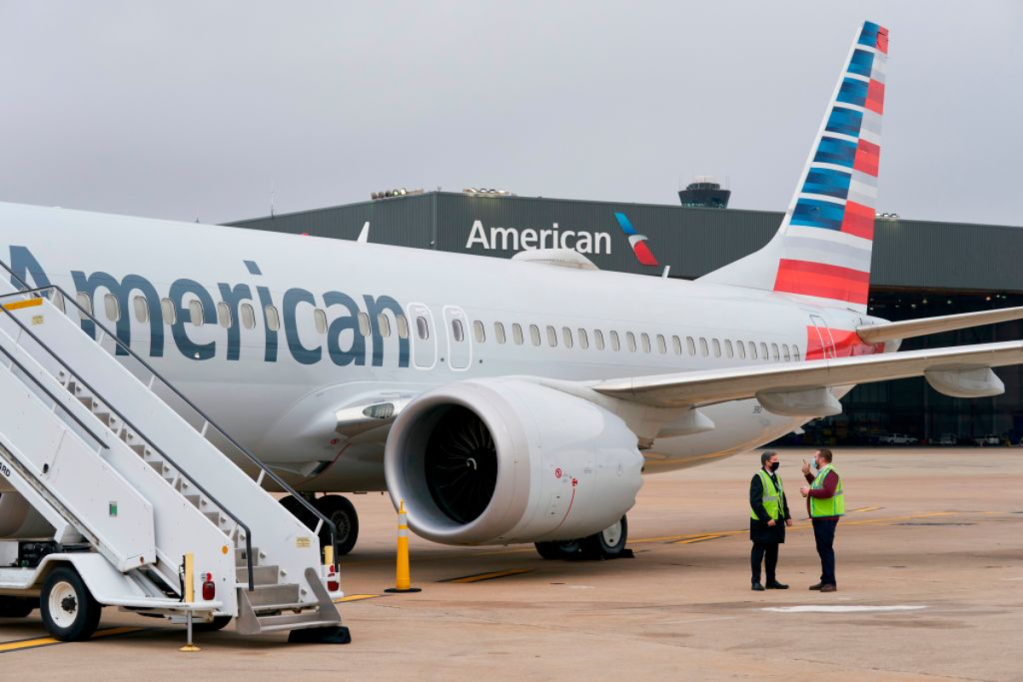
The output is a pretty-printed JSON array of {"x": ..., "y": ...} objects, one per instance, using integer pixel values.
[
  {"x": 552, "y": 337},
  {"x": 224, "y": 314},
  {"x": 752, "y": 350},
  {"x": 170, "y": 314},
  {"x": 598, "y": 339},
  {"x": 763, "y": 351},
  {"x": 774, "y": 352},
  {"x": 615, "y": 341},
  {"x": 584, "y": 341},
  {"x": 795, "y": 353},
  {"x": 677, "y": 343},
  {"x": 785, "y": 352},
  {"x": 57, "y": 300},
  {"x": 662, "y": 345},
  {"x": 741, "y": 347},
  {"x": 517, "y": 334},
  {"x": 481, "y": 334},
  {"x": 717, "y": 348},
  {"x": 195, "y": 310},
  {"x": 141, "y": 309},
  {"x": 456, "y": 331},
  {"x": 645, "y": 338},
  {"x": 422, "y": 328},
  {"x": 384, "y": 325},
  {"x": 402, "y": 326},
  {"x": 364, "y": 324},
  {"x": 566, "y": 334},
  {"x": 113, "y": 309},
  {"x": 84, "y": 302},
  {"x": 631, "y": 339},
  {"x": 704, "y": 351},
  {"x": 320, "y": 320},
  {"x": 534, "y": 334},
  {"x": 691, "y": 345},
  {"x": 729, "y": 352},
  {"x": 248, "y": 316},
  {"x": 273, "y": 318},
  {"x": 499, "y": 332}
]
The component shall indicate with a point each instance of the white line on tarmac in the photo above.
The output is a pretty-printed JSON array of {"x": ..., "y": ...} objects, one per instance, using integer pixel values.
[{"x": 841, "y": 609}]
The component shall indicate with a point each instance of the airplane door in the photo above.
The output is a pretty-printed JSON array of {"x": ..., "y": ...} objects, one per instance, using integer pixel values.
[
  {"x": 424, "y": 336},
  {"x": 827, "y": 341},
  {"x": 456, "y": 326}
]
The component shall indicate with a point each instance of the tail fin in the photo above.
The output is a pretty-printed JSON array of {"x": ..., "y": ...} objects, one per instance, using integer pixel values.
[{"x": 823, "y": 247}]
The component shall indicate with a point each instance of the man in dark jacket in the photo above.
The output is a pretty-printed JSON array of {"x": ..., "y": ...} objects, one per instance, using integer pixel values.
[{"x": 769, "y": 514}]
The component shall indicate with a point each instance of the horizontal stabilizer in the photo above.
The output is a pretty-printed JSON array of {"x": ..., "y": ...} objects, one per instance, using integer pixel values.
[{"x": 895, "y": 331}]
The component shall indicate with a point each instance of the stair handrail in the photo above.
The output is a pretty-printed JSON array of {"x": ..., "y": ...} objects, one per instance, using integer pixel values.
[{"x": 323, "y": 520}]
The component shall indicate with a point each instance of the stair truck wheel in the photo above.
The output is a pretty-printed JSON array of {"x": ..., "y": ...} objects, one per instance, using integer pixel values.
[
  {"x": 608, "y": 543},
  {"x": 561, "y": 549},
  {"x": 17, "y": 607},
  {"x": 342, "y": 514},
  {"x": 218, "y": 623},
  {"x": 70, "y": 613}
]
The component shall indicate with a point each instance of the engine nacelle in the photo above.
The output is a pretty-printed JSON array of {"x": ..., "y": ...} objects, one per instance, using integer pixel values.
[
  {"x": 19, "y": 520},
  {"x": 499, "y": 461}
]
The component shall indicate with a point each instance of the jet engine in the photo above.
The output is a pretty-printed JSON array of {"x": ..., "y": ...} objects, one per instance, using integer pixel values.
[{"x": 500, "y": 461}]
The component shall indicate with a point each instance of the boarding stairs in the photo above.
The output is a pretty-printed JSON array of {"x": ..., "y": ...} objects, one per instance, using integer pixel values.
[{"x": 129, "y": 485}]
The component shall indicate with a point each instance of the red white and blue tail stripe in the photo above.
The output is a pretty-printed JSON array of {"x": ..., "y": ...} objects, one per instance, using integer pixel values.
[{"x": 823, "y": 248}]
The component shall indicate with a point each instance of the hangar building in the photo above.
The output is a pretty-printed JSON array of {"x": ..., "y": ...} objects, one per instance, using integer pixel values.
[{"x": 920, "y": 269}]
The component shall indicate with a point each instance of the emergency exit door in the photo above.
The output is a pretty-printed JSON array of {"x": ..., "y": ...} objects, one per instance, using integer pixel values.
[{"x": 826, "y": 350}]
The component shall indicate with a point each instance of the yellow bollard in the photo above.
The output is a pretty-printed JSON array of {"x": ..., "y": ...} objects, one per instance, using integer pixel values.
[
  {"x": 403, "y": 576},
  {"x": 189, "y": 599}
]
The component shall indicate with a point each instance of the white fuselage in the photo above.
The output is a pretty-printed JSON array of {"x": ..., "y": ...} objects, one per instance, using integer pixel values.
[{"x": 278, "y": 390}]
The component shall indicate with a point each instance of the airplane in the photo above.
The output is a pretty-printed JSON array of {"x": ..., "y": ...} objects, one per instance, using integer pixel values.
[{"x": 507, "y": 401}]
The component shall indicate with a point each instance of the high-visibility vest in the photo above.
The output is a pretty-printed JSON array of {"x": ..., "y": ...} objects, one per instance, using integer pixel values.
[
  {"x": 827, "y": 506},
  {"x": 772, "y": 498}
]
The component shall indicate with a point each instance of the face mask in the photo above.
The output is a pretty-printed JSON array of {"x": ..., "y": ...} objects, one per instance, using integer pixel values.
[
  {"x": 813, "y": 465},
  {"x": 774, "y": 467}
]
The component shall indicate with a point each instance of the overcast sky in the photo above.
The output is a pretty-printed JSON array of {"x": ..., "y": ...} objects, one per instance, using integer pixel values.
[{"x": 195, "y": 109}]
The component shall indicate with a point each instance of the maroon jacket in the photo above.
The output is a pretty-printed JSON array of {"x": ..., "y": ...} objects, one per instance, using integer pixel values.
[{"x": 828, "y": 490}]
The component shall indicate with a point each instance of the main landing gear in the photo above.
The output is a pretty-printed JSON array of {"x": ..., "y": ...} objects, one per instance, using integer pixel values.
[
  {"x": 607, "y": 544},
  {"x": 338, "y": 509}
]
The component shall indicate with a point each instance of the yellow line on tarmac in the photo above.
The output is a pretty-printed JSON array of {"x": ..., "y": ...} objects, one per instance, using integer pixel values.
[
  {"x": 480, "y": 577},
  {"x": 356, "y": 597},
  {"x": 38, "y": 642},
  {"x": 867, "y": 509},
  {"x": 700, "y": 538}
]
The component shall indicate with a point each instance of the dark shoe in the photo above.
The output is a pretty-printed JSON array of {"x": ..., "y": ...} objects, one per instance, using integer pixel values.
[
  {"x": 775, "y": 585},
  {"x": 817, "y": 586},
  {"x": 829, "y": 588},
  {"x": 757, "y": 587}
]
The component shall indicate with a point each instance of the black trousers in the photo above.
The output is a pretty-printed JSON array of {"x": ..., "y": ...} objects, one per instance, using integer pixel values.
[
  {"x": 824, "y": 534},
  {"x": 764, "y": 551}
]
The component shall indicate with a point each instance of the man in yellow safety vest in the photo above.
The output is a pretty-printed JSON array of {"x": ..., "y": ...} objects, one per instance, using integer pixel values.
[
  {"x": 825, "y": 502},
  {"x": 769, "y": 514}
]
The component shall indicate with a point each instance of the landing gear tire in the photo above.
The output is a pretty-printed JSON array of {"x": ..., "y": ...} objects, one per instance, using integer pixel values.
[
  {"x": 299, "y": 511},
  {"x": 563, "y": 549},
  {"x": 342, "y": 514},
  {"x": 218, "y": 623},
  {"x": 608, "y": 543},
  {"x": 17, "y": 607},
  {"x": 70, "y": 613}
]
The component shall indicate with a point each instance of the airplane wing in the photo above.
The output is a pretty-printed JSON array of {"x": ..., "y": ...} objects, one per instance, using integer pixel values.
[
  {"x": 894, "y": 331},
  {"x": 961, "y": 371}
]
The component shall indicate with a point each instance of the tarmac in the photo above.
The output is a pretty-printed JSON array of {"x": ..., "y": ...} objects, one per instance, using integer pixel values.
[{"x": 930, "y": 577}]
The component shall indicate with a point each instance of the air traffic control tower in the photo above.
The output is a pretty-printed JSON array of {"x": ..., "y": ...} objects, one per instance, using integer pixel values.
[{"x": 704, "y": 192}]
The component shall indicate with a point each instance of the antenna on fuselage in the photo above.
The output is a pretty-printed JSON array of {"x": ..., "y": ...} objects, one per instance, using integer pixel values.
[{"x": 667, "y": 269}]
